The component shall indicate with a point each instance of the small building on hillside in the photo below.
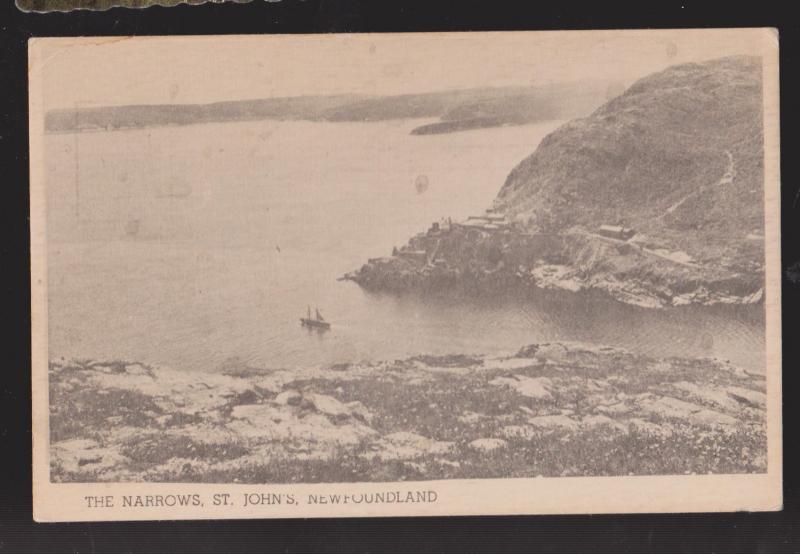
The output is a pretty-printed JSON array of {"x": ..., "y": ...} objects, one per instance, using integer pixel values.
[
  {"x": 474, "y": 222},
  {"x": 419, "y": 256},
  {"x": 616, "y": 232},
  {"x": 440, "y": 227},
  {"x": 495, "y": 217}
]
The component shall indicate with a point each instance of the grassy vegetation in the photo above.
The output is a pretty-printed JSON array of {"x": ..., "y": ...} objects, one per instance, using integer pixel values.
[
  {"x": 158, "y": 448},
  {"x": 76, "y": 406},
  {"x": 665, "y": 142},
  {"x": 591, "y": 412}
]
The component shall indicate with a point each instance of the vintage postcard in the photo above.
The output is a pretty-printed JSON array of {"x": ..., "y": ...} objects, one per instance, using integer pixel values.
[{"x": 405, "y": 274}]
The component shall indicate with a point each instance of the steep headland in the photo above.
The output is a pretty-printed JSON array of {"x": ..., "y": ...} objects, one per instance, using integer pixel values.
[
  {"x": 677, "y": 159},
  {"x": 678, "y": 156}
]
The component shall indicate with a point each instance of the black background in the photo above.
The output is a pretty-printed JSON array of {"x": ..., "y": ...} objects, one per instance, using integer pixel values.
[{"x": 752, "y": 533}]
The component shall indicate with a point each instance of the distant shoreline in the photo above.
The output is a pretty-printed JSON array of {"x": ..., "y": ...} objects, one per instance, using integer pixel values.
[{"x": 457, "y": 109}]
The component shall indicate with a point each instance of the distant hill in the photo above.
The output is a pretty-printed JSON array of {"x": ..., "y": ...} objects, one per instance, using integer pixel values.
[
  {"x": 408, "y": 106},
  {"x": 486, "y": 107},
  {"x": 679, "y": 155},
  {"x": 154, "y": 115},
  {"x": 517, "y": 106}
]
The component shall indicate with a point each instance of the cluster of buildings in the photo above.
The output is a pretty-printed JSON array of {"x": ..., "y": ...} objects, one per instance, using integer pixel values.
[
  {"x": 491, "y": 221},
  {"x": 423, "y": 247}
]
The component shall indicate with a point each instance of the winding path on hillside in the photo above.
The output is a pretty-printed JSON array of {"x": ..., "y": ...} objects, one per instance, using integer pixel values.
[
  {"x": 726, "y": 179},
  {"x": 670, "y": 257}
]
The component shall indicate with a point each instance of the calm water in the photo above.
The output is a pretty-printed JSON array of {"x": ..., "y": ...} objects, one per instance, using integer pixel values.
[{"x": 188, "y": 246}]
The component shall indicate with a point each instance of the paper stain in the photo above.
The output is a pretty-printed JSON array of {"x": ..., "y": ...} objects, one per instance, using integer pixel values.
[
  {"x": 672, "y": 50},
  {"x": 421, "y": 183}
]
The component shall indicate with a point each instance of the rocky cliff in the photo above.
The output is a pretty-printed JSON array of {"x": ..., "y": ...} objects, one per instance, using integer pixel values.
[{"x": 678, "y": 158}]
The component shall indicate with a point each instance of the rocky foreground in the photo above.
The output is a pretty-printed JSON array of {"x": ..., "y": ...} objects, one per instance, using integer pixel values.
[{"x": 549, "y": 410}]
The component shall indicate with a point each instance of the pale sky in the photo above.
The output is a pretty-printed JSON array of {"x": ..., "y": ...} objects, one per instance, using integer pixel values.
[{"x": 200, "y": 69}]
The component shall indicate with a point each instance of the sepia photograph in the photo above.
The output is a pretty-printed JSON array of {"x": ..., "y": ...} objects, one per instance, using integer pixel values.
[{"x": 407, "y": 266}]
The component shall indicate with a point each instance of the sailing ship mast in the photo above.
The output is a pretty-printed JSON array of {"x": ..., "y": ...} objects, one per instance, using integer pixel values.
[{"x": 316, "y": 322}]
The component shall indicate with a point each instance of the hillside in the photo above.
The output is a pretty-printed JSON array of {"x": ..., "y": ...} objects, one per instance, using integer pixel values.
[
  {"x": 154, "y": 115},
  {"x": 678, "y": 156},
  {"x": 517, "y": 106}
]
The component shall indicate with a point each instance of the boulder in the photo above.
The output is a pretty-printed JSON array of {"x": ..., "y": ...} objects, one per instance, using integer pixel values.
[
  {"x": 85, "y": 455},
  {"x": 405, "y": 445},
  {"x": 649, "y": 428},
  {"x": 262, "y": 423},
  {"x": 554, "y": 422},
  {"x": 535, "y": 388},
  {"x": 488, "y": 444},
  {"x": 553, "y": 352},
  {"x": 709, "y": 395},
  {"x": 669, "y": 407},
  {"x": 509, "y": 364},
  {"x": 289, "y": 398},
  {"x": 328, "y": 405},
  {"x": 360, "y": 411},
  {"x": 714, "y": 418},
  {"x": 666, "y": 406},
  {"x": 267, "y": 385},
  {"x": 750, "y": 397},
  {"x": 594, "y": 421},
  {"x": 614, "y": 409},
  {"x": 524, "y": 432},
  {"x": 470, "y": 418}
]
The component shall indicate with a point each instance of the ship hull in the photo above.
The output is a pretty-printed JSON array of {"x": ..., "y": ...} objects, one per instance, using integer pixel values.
[{"x": 314, "y": 323}]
